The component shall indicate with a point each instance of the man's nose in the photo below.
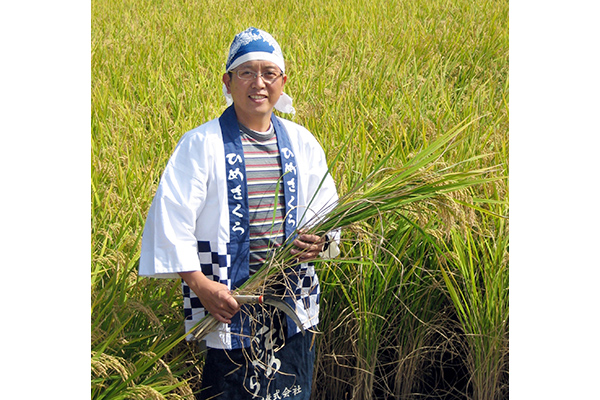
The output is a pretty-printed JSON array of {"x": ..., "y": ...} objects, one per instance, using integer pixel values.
[{"x": 259, "y": 80}]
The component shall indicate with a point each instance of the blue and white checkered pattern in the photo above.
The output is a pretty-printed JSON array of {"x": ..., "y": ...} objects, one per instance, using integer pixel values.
[
  {"x": 307, "y": 296},
  {"x": 308, "y": 282},
  {"x": 216, "y": 267}
]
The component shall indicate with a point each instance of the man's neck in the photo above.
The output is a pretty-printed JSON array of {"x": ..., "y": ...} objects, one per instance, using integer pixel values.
[
  {"x": 261, "y": 127},
  {"x": 259, "y": 136},
  {"x": 258, "y": 123}
]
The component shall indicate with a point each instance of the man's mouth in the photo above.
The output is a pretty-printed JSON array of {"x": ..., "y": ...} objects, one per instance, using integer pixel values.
[{"x": 258, "y": 96}]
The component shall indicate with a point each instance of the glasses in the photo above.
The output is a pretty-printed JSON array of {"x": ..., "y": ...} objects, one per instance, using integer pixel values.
[{"x": 248, "y": 75}]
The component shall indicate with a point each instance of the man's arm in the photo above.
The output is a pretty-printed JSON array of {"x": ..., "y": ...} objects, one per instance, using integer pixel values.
[{"x": 214, "y": 296}]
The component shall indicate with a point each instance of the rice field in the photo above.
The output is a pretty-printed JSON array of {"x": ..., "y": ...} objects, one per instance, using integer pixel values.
[{"x": 417, "y": 305}]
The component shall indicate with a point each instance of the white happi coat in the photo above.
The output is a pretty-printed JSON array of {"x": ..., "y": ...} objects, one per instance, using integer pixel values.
[{"x": 199, "y": 210}]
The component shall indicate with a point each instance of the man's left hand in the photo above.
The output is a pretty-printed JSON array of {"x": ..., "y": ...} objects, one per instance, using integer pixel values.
[{"x": 308, "y": 246}]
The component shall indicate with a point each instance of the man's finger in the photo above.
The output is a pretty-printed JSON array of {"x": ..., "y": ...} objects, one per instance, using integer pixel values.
[
  {"x": 222, "y": 319},
  {"x": 308, "y": 242},
  {"x": 311, "y": 238}
]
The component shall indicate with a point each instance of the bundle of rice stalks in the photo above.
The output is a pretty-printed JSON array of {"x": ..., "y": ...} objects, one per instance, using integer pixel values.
[{"x": 419, "y": 187}]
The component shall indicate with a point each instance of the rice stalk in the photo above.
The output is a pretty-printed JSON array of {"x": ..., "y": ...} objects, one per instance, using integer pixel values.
[
  {"x": 383, "y": 76},
  {"x": 475, "y": 271},
  {"x": 384, "y": 190},
  {"x": 124, "y": 321},
  {"x": 103, "y": 363}
]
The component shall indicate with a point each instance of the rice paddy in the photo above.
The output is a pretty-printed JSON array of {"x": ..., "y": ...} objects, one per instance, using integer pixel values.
[{"x": 405, "y": 96}]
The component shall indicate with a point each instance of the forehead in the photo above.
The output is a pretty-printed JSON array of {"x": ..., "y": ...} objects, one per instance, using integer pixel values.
[{"x": 256, "y": 64}]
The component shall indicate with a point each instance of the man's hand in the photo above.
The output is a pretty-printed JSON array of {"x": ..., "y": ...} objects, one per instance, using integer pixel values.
[
  {"x": 308, "y": 246},
  {"x": 214, "y": 296}
]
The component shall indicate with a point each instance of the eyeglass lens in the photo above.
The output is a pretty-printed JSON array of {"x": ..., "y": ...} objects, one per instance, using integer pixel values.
[{"x": 267, "y": 76}]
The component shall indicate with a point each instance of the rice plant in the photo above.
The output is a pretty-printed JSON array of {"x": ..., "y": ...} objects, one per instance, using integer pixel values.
[
  {"x": 378, "y": 83},
  {"x": 475, "y": 270}
]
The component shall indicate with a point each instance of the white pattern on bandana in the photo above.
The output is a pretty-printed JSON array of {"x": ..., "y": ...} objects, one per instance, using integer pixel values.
[{"x": 247, "y": 37}]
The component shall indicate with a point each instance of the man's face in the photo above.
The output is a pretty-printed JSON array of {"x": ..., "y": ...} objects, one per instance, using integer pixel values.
[{"x": 254, "y": 99}]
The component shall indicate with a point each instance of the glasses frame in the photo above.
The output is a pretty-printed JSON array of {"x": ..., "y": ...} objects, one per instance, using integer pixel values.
[{"x": 256, "y": 75}]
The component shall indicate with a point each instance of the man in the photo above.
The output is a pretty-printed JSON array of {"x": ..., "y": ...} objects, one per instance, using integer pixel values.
[{"x": 234, "y": 190}]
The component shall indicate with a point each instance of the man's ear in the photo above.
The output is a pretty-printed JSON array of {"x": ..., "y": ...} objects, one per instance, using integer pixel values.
[{"x": 227, "y": 81}]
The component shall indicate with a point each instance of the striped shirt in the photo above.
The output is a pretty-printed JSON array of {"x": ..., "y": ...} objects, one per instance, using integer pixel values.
[{"x": 267, "y": 211}]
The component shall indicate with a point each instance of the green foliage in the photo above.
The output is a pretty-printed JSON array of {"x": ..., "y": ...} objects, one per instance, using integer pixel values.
[
  {"x": 379, "y": 83},
  {"x": 475, "y": 270}
]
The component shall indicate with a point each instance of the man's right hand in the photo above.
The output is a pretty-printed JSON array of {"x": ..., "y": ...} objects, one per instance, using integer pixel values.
[{"x": 214, "y": 296}]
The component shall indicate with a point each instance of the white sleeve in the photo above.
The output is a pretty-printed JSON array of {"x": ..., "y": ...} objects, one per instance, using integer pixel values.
[
  {"x": 169, "y": 244},
  {"x": 321, "y": 191}
]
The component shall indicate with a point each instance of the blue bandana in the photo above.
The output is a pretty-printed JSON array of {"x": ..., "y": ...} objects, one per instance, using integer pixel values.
[{"x": 255, "y": 44}]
